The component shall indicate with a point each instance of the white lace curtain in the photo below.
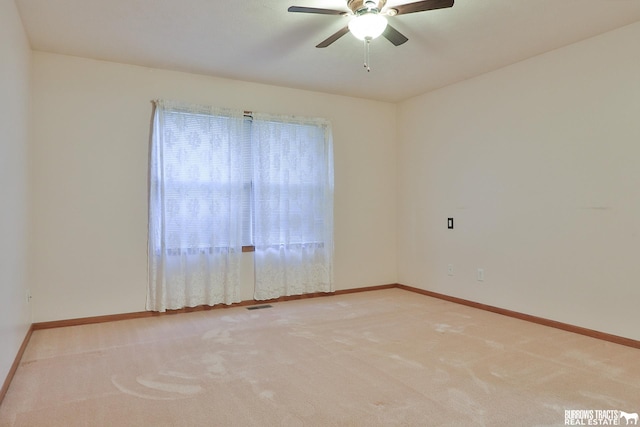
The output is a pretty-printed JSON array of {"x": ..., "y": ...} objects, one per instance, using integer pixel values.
[
  {"x": 217, "y": 181},
  {"x": 195, "y": 203},
  {"x": 293, "y": 196}
]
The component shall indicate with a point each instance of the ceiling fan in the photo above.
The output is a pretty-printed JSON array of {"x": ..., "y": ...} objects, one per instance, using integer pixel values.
[{"x": 369, "y": 18}]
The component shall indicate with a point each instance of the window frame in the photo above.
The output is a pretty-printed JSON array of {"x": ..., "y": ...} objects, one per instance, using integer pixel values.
[{"x": 248, "y": 188}]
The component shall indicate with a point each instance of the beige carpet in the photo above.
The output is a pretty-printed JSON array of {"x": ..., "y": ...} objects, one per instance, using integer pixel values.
[{"x": 380, "y": 358}]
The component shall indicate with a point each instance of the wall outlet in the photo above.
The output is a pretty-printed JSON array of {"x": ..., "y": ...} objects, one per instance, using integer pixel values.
[
  {"x": 450, "y": 269},
  {"x": 27, "y": 296},
  {"x": 481, "y": 275}
]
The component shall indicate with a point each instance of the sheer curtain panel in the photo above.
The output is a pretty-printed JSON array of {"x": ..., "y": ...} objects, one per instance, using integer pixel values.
[
  {"x": 293, "y": 202},
  {"x": 195, "y": 206}
]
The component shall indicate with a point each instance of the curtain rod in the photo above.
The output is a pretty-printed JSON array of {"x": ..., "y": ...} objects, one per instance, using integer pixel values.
[{"x": 245, "y": 112}]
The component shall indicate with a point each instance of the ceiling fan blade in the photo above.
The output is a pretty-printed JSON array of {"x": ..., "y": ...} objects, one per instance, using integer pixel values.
[
  {"x": 394, "y": 36},
  {"x": 316, "y": 10},
  {"x": 334, "y": 37},
  {"x": 422, "y": 6}
]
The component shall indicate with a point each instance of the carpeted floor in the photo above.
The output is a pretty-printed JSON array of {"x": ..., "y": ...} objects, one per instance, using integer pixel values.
[{"x": 380, "y": 358}]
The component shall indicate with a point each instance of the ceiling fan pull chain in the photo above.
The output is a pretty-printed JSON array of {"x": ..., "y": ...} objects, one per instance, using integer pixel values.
[{"x": 367, "y": 54}]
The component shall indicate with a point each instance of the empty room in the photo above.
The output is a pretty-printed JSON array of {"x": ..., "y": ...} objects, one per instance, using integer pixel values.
[{"x": 319, "y": 213}]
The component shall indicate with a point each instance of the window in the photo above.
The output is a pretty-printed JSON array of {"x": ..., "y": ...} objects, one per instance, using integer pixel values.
[
  {"x": 199, "y": 178},
  {"x": 293, "y": 175},
  {"x": 204, "y": 177}
]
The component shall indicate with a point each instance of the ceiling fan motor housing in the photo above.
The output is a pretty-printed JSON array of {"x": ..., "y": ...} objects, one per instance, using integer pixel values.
[{"x": 358, "y": 6}]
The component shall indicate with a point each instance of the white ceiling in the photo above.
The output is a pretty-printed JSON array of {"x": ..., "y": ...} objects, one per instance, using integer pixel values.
[{"x": 259, "y": 41}]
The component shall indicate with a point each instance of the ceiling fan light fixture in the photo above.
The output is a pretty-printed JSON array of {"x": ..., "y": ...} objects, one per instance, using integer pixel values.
[{"x": 368, "y": 25}]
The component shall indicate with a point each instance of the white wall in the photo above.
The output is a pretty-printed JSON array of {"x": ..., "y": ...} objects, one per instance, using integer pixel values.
[
  {"x": 15, "y": 313},
  {"x": 89, "y": 169},
  {"x": 539, "y": 164}
]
